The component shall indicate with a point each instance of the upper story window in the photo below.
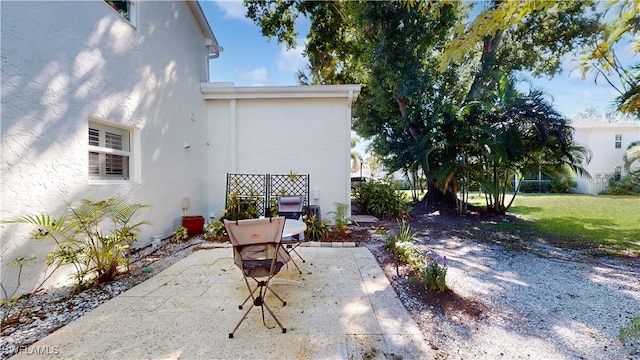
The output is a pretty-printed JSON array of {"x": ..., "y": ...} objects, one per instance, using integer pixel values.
[
  {"x": 124, "y": 8},
  {"x": 109, "y": 152},
  {"x": 618, "y": 143}
]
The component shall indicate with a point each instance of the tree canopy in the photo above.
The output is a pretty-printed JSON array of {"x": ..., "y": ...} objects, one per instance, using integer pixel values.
[{"x": 438, "y": 92}]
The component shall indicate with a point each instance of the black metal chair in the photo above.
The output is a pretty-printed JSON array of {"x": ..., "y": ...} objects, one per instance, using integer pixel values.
[{"x": 291, "y": 208}]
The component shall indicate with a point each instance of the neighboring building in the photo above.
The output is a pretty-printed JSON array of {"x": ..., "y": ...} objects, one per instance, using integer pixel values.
[
  {"x": 608, "y": 141},
  {"x": 98, "y": 102}
]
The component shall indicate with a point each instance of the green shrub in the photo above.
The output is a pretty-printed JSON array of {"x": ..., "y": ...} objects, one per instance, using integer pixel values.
[
  {"x": 317, "y": 230},
  {"x": 382, "y": 199},
  {"x": 407, "y": 252},
  {"x": 179, "y": 235},
  {"x": 623, "y": 186},
  {"x": 242, "y": 207},
  {"x": 431, "y": 267},
  {"x": 563, "y": 186},
  {"x": 95, "y": 239},
  {"x": 340, "y": 221},
  {"x": 535, "y": 186},
  {"x": 215, "y": 231},
  {"x": 434, "y": 271},
  {"x": 631, "y": 332}
]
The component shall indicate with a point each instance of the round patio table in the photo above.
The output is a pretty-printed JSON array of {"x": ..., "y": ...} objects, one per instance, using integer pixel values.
[{"x": 293, "y": 227}]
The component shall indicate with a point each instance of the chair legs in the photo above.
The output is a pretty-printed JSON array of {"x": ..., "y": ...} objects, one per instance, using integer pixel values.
[
  {"x": 289, "y": 248},
  {"x": 262, "y": 286},
  {"x": 258, "y": 286},
  {"x": 293, "y": 248}
]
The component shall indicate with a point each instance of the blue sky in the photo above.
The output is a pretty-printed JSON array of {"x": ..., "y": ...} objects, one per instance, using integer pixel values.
[{"x": 249, "y": 59}]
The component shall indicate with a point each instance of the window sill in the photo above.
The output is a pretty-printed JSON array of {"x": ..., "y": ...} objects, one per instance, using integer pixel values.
[{"x": 109, "y": 182}]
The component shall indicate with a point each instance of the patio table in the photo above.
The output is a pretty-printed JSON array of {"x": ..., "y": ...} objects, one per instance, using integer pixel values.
[{"x": 293, "y": 227}]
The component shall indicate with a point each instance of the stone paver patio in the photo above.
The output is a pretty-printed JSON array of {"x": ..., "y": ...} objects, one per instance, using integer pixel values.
[{"x": 342, "y": 308}]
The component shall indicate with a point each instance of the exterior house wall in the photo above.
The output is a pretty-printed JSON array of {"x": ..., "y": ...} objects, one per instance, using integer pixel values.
[
  {"x": 599, "y": 136},
  {"x": 278, "y": 130},
  {"x": 62, "y": 64}
]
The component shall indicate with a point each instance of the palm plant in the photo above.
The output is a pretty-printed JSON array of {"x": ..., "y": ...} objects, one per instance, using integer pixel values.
[
  {"x": 520, "y": 133},
  {"x": 95, "y": 239}
]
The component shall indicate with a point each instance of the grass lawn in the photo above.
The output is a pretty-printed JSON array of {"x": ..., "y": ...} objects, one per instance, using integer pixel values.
[{"x": 610, "y": 222}]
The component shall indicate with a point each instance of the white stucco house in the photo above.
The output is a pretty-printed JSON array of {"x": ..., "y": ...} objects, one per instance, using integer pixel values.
[
  {"x": 97, "y": 103},
  {"x": 608, "y": 142}
]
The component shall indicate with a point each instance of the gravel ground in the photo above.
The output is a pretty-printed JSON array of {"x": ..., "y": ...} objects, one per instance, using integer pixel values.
[
  {"x": 530, "y": 302},
  {"x": 533, "y": 307},
  {"x": 508, "y": 302}
]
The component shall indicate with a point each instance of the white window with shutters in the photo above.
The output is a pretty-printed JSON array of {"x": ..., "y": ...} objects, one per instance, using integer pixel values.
[{"x": 109, "y": 151}]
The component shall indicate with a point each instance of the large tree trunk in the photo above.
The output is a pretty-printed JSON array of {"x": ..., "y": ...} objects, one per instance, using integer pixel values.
[
  {"x": 402, "y": 106},
  {"x": 436, "y": 196},
  {"x": 487, "y": 63}
]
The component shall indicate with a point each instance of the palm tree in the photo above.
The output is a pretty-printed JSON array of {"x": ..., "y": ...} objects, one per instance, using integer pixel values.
[{"x": 522, "y": 133}]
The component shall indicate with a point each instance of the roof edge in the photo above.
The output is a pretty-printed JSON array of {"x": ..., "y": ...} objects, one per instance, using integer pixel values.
[
  {"x": 222, "y": 90},
  {"x": 211, "y": 42}
]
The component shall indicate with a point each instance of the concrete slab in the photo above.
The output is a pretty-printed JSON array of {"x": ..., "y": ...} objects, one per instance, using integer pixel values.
[
  {"x": 342, "y": 308},
  {"x": 361, "y": 219}
]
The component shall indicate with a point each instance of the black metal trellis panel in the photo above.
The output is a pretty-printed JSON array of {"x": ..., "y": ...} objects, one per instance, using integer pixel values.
[
  {"x": 267, "y": 188},
  {"x": 248, "y": 186},
  {"x": 288, "y": 185}
]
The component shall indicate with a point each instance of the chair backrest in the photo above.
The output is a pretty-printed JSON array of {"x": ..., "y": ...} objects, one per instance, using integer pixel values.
[
  {"x": 290, "y": 207},
  {"x": 254, "y": 231},
  {"x": 256, "y": 242}
]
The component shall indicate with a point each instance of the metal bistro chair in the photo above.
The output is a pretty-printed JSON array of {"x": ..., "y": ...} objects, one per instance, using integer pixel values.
[
  {"x": 258, "y": 253},
  {"x": 291, "y": 208}
]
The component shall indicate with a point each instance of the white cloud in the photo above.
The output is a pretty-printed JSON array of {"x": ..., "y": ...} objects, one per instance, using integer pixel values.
[
  {"x": 233, "y": 9},
  {"x": 292, "y": 60},
  {"x": 253, "y": 77}
]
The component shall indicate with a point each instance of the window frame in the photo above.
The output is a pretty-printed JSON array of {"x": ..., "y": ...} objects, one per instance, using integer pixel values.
[
  {"x": 132, "y": 12},
  {"x": 617, "y": 141},
  {"x": 131, "y": 141}
]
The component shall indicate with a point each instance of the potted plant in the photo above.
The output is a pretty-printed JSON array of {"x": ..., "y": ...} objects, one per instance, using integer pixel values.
[{"x": 194, "y": 224}]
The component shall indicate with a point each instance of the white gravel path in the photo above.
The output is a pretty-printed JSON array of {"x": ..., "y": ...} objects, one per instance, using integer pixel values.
[{"x": 540, "y": 306}]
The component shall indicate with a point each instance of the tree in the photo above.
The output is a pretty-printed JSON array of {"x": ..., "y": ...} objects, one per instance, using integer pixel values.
[
  {"x": 356, "y": 158},
  {"x": 603, "y": 60},
  {"x": 632, "y": 162},
  {"x": 521, "y": 134},
  {"x": 392, "y": 51},
  {"x": 598, "y": 28},
  {"x": 513, "y": 36},
  {"x": 410, "y": 104}
]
